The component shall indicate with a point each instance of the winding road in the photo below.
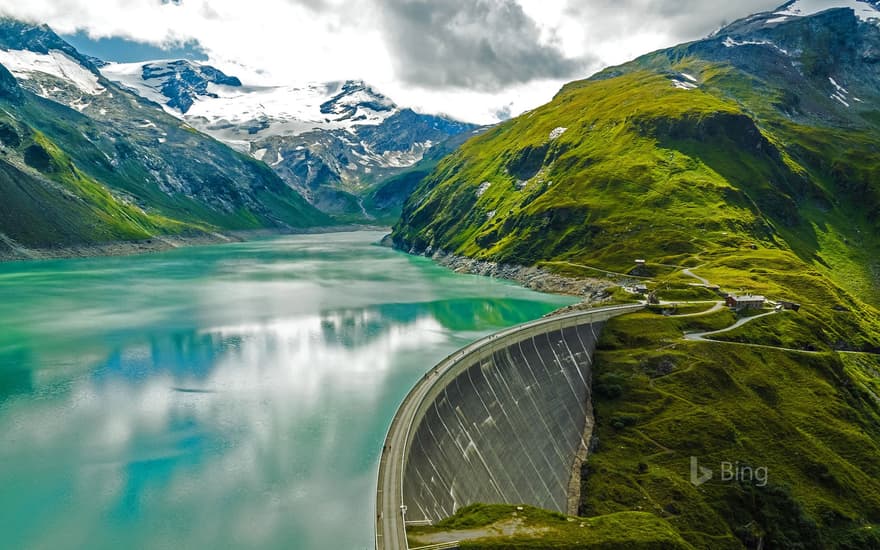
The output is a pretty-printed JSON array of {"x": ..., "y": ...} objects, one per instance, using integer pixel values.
[
  {"x": 693, "y": 275},
  {"x": 701, "y": 336}
]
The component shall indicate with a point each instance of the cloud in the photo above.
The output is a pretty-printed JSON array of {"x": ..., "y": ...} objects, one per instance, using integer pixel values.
[
  {"x": 619, "y": 30},
  {"x": 479, "y": 60},
  {"x": 683, "y": 19},
  {"x": 476, "y": 44}
]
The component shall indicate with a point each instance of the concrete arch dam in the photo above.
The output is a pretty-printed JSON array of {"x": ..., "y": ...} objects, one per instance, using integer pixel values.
[{"x": 504, "y": 420}]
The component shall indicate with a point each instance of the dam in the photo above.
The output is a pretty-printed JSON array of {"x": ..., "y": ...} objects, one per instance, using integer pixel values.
[{"x": 504, "y": 420}]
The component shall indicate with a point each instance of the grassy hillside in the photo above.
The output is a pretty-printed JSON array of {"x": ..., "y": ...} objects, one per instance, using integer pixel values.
[
  {"x": 754, "y": 183},
  {"x": 739, "y": 158},
  {"x": 808, "y": 418},
  {"x": 385, "y": 201},
  {"x": 48, "y": 201},
  {"x": 673, "y": 173},
  {"x": 117, "y": 168}
]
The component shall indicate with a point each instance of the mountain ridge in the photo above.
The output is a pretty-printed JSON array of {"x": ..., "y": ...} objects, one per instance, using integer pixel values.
[
  {"x": 747, "y": 161},
  {"x": 687, "y": 121},
  {"x": 126, "y": 170},
  {"x": 333, "y": 142}
]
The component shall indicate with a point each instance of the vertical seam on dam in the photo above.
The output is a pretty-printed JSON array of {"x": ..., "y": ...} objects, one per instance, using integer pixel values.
[{"x": 505, "y": 420}]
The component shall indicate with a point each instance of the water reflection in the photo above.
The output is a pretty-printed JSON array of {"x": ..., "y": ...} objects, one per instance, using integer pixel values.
[{"x": 225, "y": 396}]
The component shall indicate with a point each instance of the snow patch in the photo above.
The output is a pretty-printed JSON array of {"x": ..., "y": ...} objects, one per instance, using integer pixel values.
[
  {"x": 260, "y": 153},
  {"x": 840, "y": 98},
  {"x": 840, "y": 93},
  {"x": 557, "y": 132},
  {"x": 689, "y": 77},
  {"x": 837, "y": 86},
  {"x": 682, "y": 85},
  {"x": 483, "y": 188},
  {"x": 403, "y": 159},
  {"x": 782, "y": 19},
  {"x": 24, "y": 64},
  {"x": 802, "y": 8},
  {"x": 490, "y": 214},
  {"x": 79, "y": 105},
  {"x": 731, "y": 43}
]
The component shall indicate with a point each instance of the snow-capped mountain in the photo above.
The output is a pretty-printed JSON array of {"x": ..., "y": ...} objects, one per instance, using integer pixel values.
[
  {"x": 332, "y": 141},
  {"x": 231, "y": 111},
  {"x": 866, "y": 10},
  {"x": 181, "y": 82},
  {"x": 85, "y": 161}
]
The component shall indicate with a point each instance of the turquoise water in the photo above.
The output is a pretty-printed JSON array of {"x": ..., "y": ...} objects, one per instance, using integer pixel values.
[{"x": 222, "y": 396}]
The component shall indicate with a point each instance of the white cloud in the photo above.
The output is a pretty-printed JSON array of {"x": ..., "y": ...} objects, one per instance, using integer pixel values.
[{"x": 285, "y": 41}]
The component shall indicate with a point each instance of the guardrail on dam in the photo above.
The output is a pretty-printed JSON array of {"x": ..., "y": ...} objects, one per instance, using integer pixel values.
[{"x": 500, "y": 421}]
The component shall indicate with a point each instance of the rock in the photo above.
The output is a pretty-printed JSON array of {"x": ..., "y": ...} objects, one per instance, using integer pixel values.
[{"x": 9, "y": 88}]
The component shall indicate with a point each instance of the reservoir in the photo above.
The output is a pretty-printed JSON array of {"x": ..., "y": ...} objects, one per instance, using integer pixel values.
[{"x": 222, "y": 396}]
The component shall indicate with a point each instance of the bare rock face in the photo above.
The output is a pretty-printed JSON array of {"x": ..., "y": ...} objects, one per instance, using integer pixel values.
[
  {"x": 88, "y": 161},
  {"x": 9, "y": 88},
  {"x": 334, "y": 142}
]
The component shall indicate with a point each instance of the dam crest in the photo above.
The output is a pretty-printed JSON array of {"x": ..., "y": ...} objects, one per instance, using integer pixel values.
[{"x": 505, "y": 420}]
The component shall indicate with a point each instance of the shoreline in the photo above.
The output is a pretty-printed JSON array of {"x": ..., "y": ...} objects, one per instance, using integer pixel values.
[
  {"x": 591, "y": 291},
  {"x": 13, "y": 252}
]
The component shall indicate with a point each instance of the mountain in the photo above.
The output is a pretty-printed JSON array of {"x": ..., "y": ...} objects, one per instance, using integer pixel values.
[
  {"x": 84, "y": 161},
  {"x": 763, "y": 133},
  {"x": 333, "y": 142},
  {"x": 749, "y": 159}
]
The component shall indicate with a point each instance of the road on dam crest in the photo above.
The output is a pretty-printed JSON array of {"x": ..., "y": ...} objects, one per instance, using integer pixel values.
[{"x": 434, "y": 460}]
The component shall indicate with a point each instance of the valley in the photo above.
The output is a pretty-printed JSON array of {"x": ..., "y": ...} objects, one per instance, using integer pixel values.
[
  {"x": 584, "y": 317},
  {"x": 333, "y": 142}
]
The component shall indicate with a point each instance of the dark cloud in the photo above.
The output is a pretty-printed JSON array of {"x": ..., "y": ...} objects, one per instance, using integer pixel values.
[
  {"x": 683, "y": 19},
  {"x": 482, "y": 45},
  {"x": 504, "y": 112}
]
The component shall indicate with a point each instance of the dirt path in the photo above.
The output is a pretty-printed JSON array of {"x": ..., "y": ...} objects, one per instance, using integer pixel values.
[
  {"x": 701, "y": 336},
  {"x": 714, "y": 309},
  {"x": 506, "y": 528},
  {"x": 693, "y": 275},
  {"x": 605, "y": 271}
]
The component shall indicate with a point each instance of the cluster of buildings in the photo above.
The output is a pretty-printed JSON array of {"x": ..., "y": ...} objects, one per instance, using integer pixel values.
[{"x": 736, "y": 302}]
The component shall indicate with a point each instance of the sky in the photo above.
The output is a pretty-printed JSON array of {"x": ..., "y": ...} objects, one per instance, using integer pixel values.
[{"x": 476, "y": 60}]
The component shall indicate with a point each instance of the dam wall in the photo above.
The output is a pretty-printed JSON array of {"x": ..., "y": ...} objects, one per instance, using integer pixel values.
[
  {"x": 507, "y": 428},
  {"x": 506, "y": 420}
]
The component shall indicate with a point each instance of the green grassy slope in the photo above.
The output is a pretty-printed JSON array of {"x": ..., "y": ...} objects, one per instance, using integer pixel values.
[
  {"x": 645, "y": 169},
  {"x": 756, "y": 179},
  {"x": 49, "y": 202},
  {"x": 812, "y": 420},
  {"x": 385, "y": 201},
  {"x": 123, "y": 170},
  {"x": 533, "y": 528}
]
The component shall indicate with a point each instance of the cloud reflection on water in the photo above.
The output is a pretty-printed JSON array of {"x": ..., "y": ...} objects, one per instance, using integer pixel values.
[{"x": 219, "y": 396}]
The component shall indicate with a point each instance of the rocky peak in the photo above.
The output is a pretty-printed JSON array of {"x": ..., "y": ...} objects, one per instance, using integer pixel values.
[
  {"x": 825, "y": 54},
  {"x": 9, "y": 88},
  {"x": 19, "y": 35},
  {"x": 353, "y": 101},
  {"x": 182, "y": 81}
]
